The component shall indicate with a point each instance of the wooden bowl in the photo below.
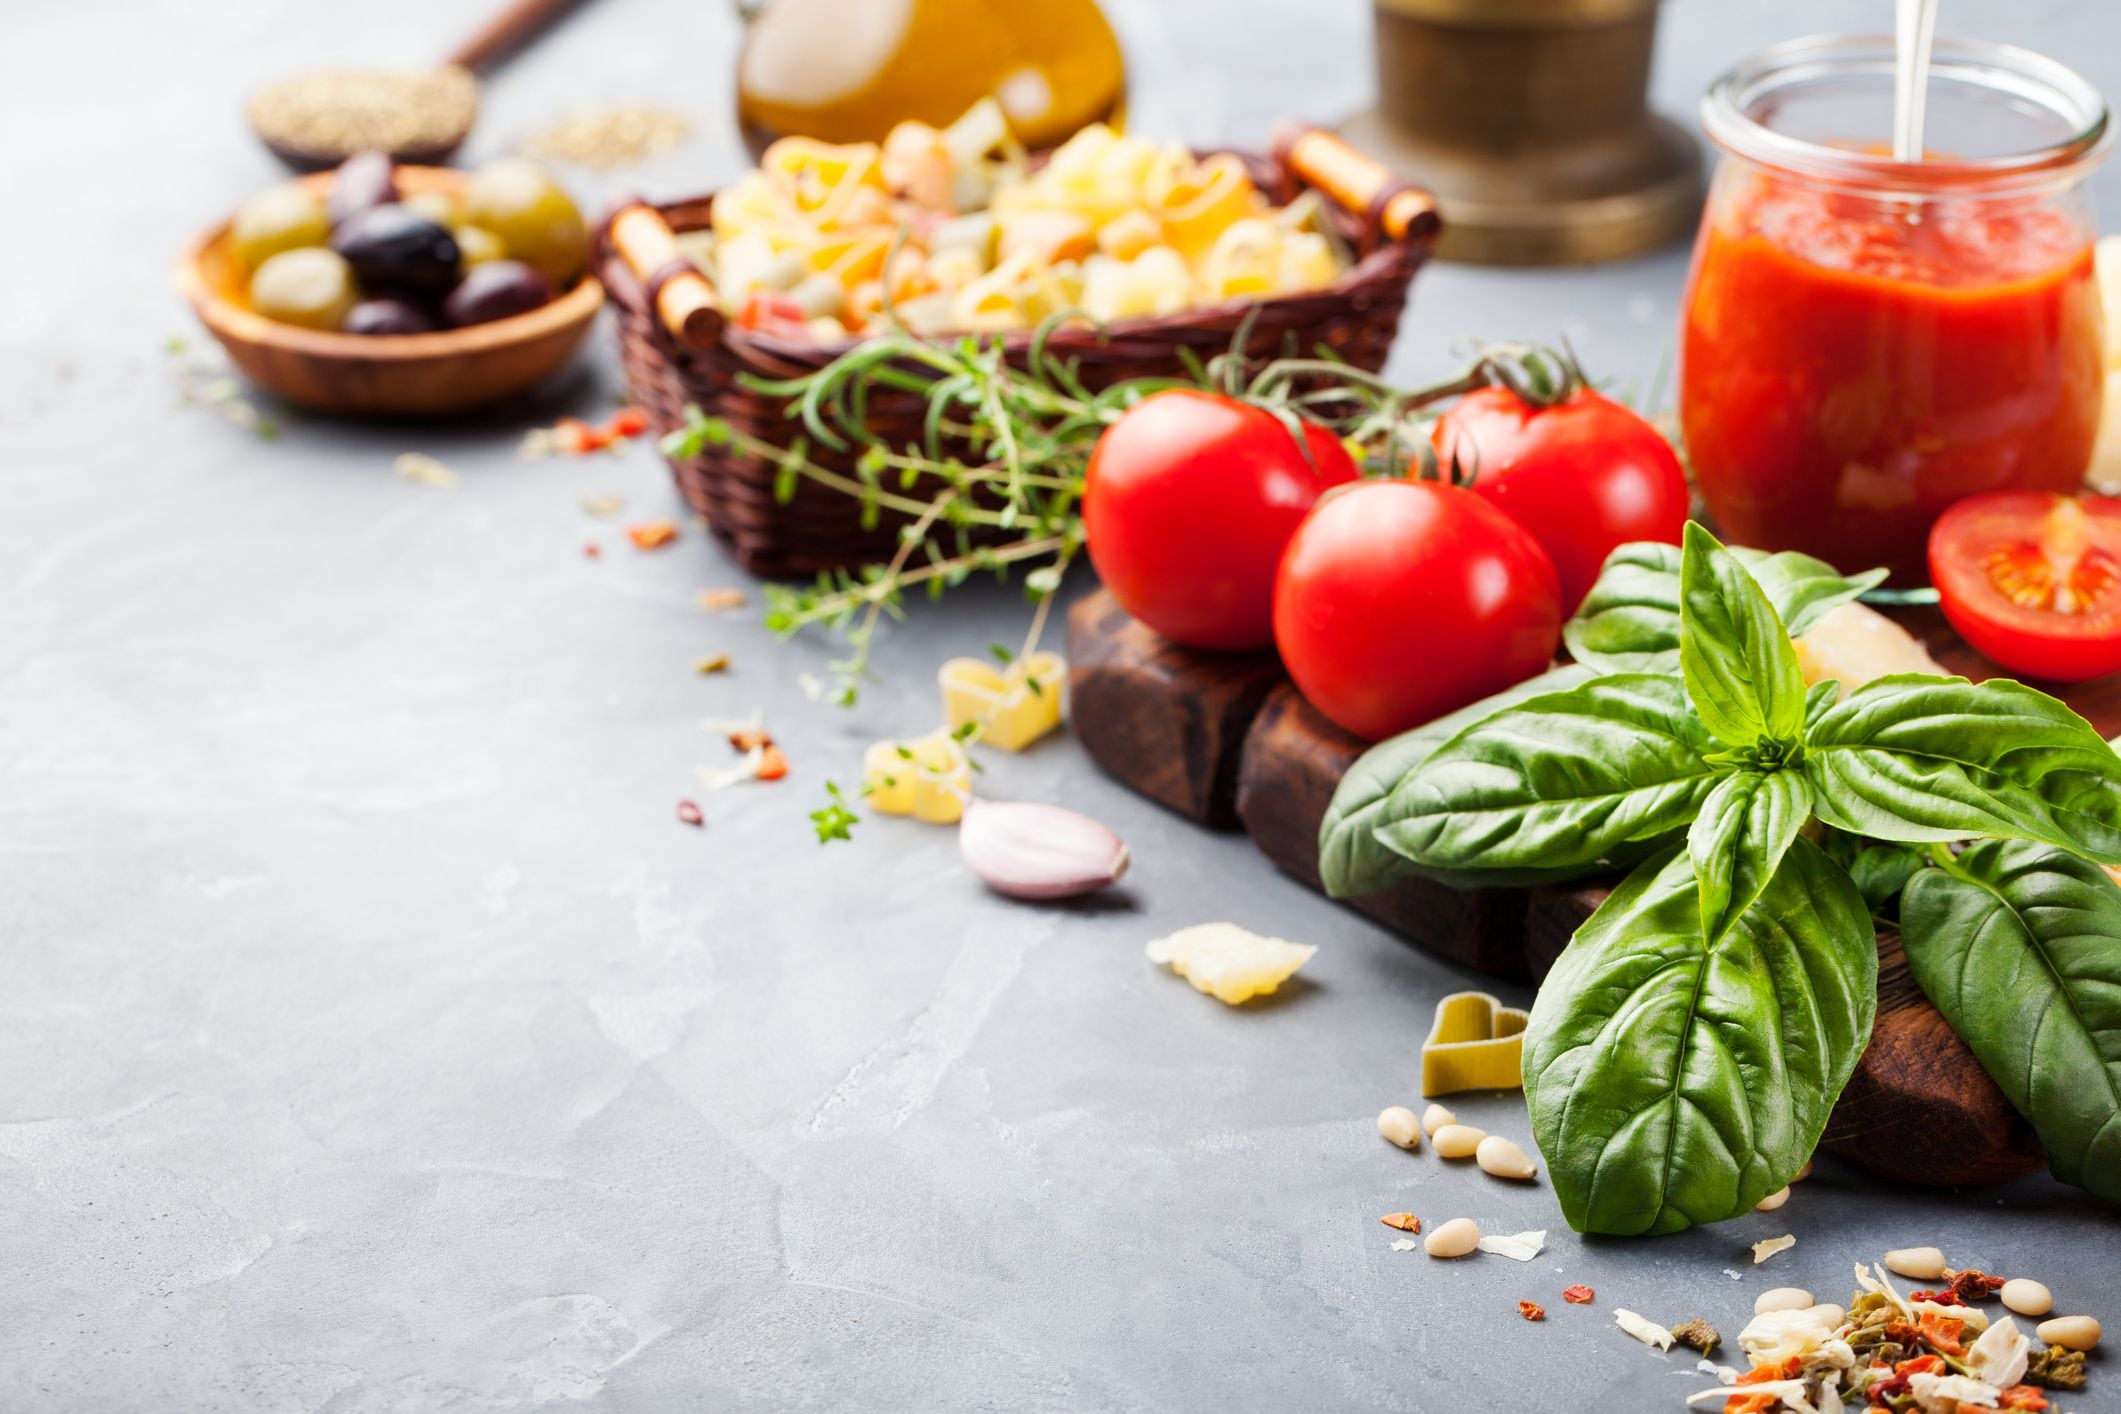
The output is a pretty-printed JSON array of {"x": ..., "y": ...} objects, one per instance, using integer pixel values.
[{"x": 381, "y": 375}]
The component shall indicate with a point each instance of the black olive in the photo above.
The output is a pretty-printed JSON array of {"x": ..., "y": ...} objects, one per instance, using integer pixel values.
[
  {"x": 364, "y": 180},
  {"x": 387, "y": 316},
  {"x": 497, "y": 289},
  {"x": 396, "y": 251}
]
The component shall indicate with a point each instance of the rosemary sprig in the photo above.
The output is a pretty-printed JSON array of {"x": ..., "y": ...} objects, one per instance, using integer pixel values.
[{"x": 994, "y": 481}]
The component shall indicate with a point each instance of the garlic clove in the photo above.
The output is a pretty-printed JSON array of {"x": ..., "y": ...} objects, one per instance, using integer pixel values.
[{"x": 1032, "y": 851}]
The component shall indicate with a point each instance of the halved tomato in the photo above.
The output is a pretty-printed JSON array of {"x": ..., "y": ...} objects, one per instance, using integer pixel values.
[{"x": 2033, "y": 581}]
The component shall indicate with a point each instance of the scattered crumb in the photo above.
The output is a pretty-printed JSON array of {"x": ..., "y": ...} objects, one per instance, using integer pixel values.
[
  {"x": 718, "y": 663},
  {"x": 603, "y": 507},
  {"x": 1402, "y": 1245},
  {"x": 652, "y": 534},
  {"x": 749, "y": 768},
  {"x": 690, "y": 813},
  {"x": 1531, "y": 1311},
  {"x": 714, "y": 601},
  {"x": 1646, "y": 1331},
  {"x": 1768, "y": 1247},
  {"x": 425, "y": 470},
  {"x": 1578, "y": 1295},
  {"x": 592, "y": 551},
  {"x": 1405, "y": 1222},
  {"x": 1734, "y": 1274}
]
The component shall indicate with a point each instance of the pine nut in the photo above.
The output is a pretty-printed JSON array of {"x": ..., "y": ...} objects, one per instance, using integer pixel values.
[
  {"x": 1397, "y": 1125},
  {"x": 1434, "y": 1118},
  {"x": 2028, "y": 1297},
  {"x": 1454, "y": 1239},
  {"x": 1919, "y": 1263},
  {"x": 2069, "y": 1332},
  {"x": 1774, "y": 1200},
  {"x": 1783, "y": 1298},
  {"x": 1458, "y": 1141},
  {"x": 1803, "y": 1173},
  {"x": 1503, "y": 1158}
]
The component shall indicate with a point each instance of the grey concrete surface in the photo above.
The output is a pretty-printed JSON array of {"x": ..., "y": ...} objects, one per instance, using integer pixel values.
[{"x": 372, "y": 1038}]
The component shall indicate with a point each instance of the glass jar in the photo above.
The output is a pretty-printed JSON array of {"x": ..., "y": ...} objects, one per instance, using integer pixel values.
[{"x": 1866, "y": 341}]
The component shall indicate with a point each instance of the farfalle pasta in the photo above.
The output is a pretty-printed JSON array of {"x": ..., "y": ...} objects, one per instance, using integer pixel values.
[{"x": 953, "y": 230}]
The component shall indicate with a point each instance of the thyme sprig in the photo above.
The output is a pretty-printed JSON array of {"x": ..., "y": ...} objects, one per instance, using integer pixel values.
[{"x": 993, "y": 483}]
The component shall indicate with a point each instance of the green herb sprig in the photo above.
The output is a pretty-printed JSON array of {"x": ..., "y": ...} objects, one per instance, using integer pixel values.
[{"x": 994, "y": 482}]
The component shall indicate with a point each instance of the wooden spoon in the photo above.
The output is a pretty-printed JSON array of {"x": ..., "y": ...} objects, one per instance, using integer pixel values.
[{"x": 319, "y": 119}]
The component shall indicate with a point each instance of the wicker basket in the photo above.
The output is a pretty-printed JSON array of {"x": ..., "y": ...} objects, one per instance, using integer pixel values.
[{"x": 677, "y": 349}]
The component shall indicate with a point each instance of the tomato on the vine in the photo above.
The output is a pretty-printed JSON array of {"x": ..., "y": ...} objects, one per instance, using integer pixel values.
[
  {"x": 2033, "y": 581},
  {"x": 1399, "y": 601},
  {"x": 1188, "y": 502},
  {"x": 1583, "y": 474}
]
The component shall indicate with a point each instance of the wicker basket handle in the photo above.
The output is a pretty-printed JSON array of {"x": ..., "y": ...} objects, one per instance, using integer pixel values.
[
  {"x": 680, "y": 295},
  {"x": 1395, "y": 208}
]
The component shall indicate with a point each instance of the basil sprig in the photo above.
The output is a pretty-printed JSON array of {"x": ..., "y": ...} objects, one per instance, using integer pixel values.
[{"x": 1685, "y": 1052}]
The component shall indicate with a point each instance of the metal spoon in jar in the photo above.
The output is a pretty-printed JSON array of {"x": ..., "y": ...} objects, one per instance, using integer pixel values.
[
  {"x": 1915, "y": 36},
  {"x": 317, "y": 120}
]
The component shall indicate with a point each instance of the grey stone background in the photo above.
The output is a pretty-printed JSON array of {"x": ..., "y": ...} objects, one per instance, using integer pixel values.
[{"x": 372, "y": 1038}]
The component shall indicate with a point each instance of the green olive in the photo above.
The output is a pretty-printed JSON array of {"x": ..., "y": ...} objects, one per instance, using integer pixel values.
[
  {"x": 285, "y": 217},
  {"x": 518, "y": 201},
  {"x": 440, "y": 207},
  {"x": 312, "y": 287},
  {"x": 476, "y": 246}
]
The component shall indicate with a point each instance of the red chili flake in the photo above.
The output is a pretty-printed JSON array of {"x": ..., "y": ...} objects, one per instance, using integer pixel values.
[
  {"x": 1405, "y": 1222},
  {"x": 1578, "y": 1295},
  {"x": 1974, "y": 1285},
  {"x": 774, "y": 765},
  {"x": 1946, "y": 1297},
  {"x": 592, "y": 551},
  {"x": 1531, "y": 1312},
  {"x": 1920, "y": 1365},
  {"x": 1902, "y": 1332},
  {"x": 1942, "y": 1333},
  {"x": 574, "y": 437},
  {"x": 690, "y": 814},
  {"x": 627, "y": 422},
  {"x": 2022, "y": 1397},
  {"x": 652, "y": 534}
]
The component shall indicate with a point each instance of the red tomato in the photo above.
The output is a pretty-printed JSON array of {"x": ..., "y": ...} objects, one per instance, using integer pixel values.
[
  {"x": 2033, "y": 581},
  {"x": 1585, "y": 476},
  {"x": 1399, "y": 601},
  {"x": 1188, "y": 502}
]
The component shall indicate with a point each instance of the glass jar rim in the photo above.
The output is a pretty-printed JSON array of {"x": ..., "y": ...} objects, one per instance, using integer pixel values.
[{"x": 1727, "y": 115}]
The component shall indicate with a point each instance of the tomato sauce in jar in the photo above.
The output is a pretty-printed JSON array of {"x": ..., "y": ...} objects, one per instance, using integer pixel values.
[{"x": 1866, "y": 342}]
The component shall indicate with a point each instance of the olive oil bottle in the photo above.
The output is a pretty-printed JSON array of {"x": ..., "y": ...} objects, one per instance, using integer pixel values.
[{"x": 847, "y": 70}]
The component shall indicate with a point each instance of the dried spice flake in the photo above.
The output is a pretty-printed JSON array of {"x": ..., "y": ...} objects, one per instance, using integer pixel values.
[
  {"x": 689, "y": 813},
  {"x": 592, "y": 551},
  {"x": 1578, "y": 1295},
  {"x": 2057, "y": 1367},
  {"x": 1974, "y": 1285},
  {"x": 1405, "y": 1222},
  {"x": 1697, "y": 1335},
  {"x": 652, "y": 534},
  {"x": 714, "y": 601},
  {"x": 1531, "y": 1311},
  {"x": 603, "y": 507},
  {"x": 716, "y": 663}
]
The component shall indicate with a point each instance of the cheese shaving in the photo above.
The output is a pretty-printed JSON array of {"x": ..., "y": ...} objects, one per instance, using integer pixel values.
[
  {"x": 747, "y": 768},
  {"x": 1768, "y": 1247},
  {"x": 2001, "y": 1355},
  {"x": 1519, "y": 1246},
  {"x": 1646, "y": 1331},
  {"x": 1790, "y": 1392},
  {"x": 1404, "y": 1246}
]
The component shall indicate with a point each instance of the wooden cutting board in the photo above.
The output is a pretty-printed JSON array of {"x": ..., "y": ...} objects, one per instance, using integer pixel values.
[{"x": 1225, "y": 740}]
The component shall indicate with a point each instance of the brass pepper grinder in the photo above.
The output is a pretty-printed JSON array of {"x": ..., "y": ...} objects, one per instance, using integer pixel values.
[{"x": 1530, "y": 120}]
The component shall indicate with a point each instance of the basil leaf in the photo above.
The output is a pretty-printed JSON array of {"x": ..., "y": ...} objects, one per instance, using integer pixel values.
[
  {"x": 1629, "y": 623},
  {"x": 1558, "y": 782},
  {"x": 1741, "y": 673},
  {"x": 1351, "y": 859},
  {"x": 1737, "y": 842},
  {"x": 1675, "y": 1079},
  {"x": 1817, "y": 699},
  {"x": 1923, "y": 759},
  {"x": 2015, "y": 944},
  {"x": 1881, "y": 871}
]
